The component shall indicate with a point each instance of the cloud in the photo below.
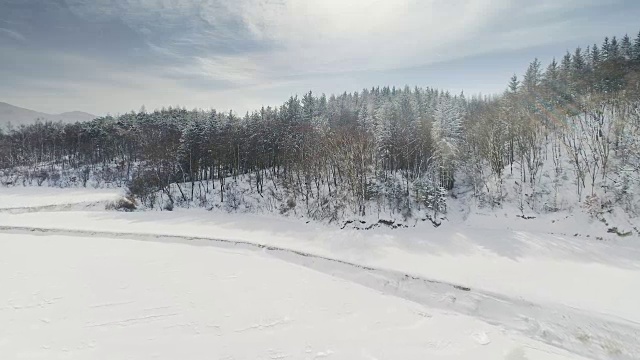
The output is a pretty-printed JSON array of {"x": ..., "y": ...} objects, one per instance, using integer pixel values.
[
  {"x": 338, "y": 36},
  {"x": 12, "y": 34},
  {"x": 233, "y": 69},
  {"x": 292, "y": 37},
  {"x": 246, "y": 53}
]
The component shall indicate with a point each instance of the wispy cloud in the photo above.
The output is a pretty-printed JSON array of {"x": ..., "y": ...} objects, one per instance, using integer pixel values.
[
  {"x": 298, "y": 36},
  {"x": 187, "y": 51},
  {"x": 12, "y": 34}
]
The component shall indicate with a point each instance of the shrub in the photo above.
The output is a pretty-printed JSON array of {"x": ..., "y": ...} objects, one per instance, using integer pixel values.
[
  {"x": 144, "y": 187},
  {"x": 122, "y": 204},
  {"x": 42, "y": 176}
]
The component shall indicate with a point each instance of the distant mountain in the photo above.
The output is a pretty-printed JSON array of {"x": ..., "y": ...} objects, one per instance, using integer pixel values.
[{"x": 17, "y": 116}]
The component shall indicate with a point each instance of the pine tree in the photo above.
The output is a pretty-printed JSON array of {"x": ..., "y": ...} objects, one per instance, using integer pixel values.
[
  {"x": 550, "y": 79},
  {"x": 308, "y": 108},
  {"x": 578, "y": 64},
  {"x": 565, "y": 88},
  {"x": 551, "y": 74},
  {"x": 626, "y": 48},
  {"x": 447, "y": 131},
  {"x": 636, "y": 49},
  {"x": 513, "y": 84},
  {"x": 579, "y": 75},
  {"x": 321, "y": 120},
  {"x": 448, "y": 122},
  {"x": 532, "y": 77},
  {"x": 606, "y": 49},
  {"x": 565, "y": 65},
  {"x": 594, "y": 56},
  {"x": 382, "y": 129},
  {"x": 614, "y": 49},
  {"x": 293, "y": 110}
]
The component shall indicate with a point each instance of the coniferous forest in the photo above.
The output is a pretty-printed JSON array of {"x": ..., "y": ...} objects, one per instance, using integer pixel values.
[{"x": 564, "y": 135}]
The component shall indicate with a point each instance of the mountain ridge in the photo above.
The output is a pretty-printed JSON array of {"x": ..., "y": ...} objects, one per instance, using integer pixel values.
[{"x": 17, "y": 115}]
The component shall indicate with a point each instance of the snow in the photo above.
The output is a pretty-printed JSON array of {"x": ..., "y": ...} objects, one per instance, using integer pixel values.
[
  {"x": 313, "y": 286},
  {"x": 557, "y": 269},
  {"x": 22, "y": 197},
  {"x": 78, "y": 298}
]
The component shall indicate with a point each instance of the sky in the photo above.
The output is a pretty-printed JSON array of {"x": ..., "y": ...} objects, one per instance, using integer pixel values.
[{"x": 113, "y": 56}]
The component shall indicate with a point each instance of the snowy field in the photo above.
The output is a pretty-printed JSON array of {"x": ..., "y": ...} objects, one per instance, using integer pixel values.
[
  {"x": 32, "y": 198},
  {"x": 99, "y": 298},
  {"x": 195, "y": 284}
]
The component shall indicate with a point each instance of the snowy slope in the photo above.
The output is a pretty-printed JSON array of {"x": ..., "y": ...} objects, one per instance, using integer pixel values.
[{"x": 80, "y": 298}]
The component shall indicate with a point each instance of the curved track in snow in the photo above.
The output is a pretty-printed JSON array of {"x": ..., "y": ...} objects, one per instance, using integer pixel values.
[{"x": 588, "y": 334}]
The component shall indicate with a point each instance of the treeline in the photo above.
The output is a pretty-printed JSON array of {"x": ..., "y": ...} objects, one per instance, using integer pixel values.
[
  {"x": 318, "y": 150},
  {"x": 574, "y": 123},
  {"x": 577, "y": 119}
]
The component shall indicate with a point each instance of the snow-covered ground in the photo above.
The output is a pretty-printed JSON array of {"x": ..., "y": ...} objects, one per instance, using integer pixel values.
[
  {"x": 100, "y": 298},
  {"x": 297, "y": 290},
  {"x": 18, "y": 198},
  {"x": 579, "y": 272}
]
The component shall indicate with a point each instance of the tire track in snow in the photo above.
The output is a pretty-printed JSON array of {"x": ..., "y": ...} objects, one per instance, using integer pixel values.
[{"x": 592, "y": 335}]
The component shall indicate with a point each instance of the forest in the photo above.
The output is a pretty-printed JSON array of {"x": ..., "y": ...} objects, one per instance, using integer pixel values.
[{"x": 563, "y": 135}]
